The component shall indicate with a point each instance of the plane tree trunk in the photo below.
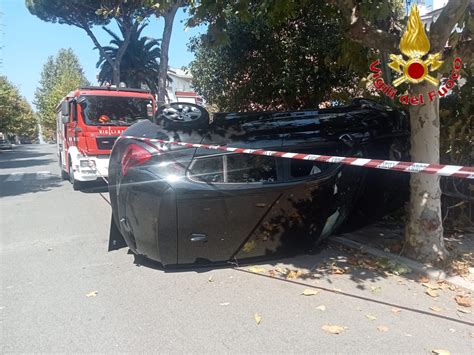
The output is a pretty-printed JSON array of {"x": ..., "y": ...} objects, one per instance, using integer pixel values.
[{"x": 424, "y": 230}]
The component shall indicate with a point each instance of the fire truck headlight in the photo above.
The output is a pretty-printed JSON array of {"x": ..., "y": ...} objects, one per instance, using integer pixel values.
[{"x": 87, "y": 164}]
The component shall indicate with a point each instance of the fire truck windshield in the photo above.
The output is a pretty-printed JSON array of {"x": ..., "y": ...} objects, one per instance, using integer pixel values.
[{"x": 114, "y": 110}]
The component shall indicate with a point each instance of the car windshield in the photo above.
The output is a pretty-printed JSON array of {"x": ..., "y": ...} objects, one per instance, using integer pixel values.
[{"x": 114, "y": 111}]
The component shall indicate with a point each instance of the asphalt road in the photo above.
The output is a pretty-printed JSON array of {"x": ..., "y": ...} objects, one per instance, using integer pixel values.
[{"x": 54, "y": 254}]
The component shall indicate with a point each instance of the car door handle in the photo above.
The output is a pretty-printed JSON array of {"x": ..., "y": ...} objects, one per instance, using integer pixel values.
[
  {"x": 261, "y": 205},
  {"x": 198, "y": 238}
]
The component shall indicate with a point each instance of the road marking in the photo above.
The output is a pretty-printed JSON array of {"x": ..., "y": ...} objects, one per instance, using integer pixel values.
[
  {"x": 39, "y": 175},
  {"x": 43, "y": 175},
  {"x": 15, "y": 177}
]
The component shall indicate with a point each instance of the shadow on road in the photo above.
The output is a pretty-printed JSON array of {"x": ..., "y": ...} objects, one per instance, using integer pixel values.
[
  {"x": 13, "y": 164},
  {"x": 322, "y": 265},
  {"x": 346, "y": 294},
  {"x": 21, "y": 153},
  {"x": 94, "y": 187},
  {"x": 28, "y": 184}
]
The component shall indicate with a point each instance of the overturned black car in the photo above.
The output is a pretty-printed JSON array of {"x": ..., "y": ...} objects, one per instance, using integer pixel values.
[{"x": 181, "y": 206}]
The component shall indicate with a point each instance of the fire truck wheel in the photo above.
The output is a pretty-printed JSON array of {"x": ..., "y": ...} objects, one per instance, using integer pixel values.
[
  {"x": 76, "y": 185},
  {"x": 182, "y": 115},
  {"x": 64, "y": 174}
]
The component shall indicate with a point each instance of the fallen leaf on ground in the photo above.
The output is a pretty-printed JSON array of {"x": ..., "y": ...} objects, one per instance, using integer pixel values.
[
  {"x": 440, "y": 352},
  {"x": 400, "y": 269},
  {"x": 333, "y": 329},
  {"x": 446, "y": 285},
  {"x": 336, "y": 270},
  {"x": 210, "y": 279},
  {"x": 371, "y": 317},
  {"x": 436, "y": 308},
  {"x": 423, "y": 279},
  {"x": 382, "y": 328},
  {"x": 258, "y": 318},
  {"x": 293, "y": 274},
  {"x": 464, "y": 310},
  {"x": 452, "y": 330},
  {"x": 224, "y": 304},
  {"x": 472, "y": 335},
  {"x": 431, "y": 292},
  {"x": 428, "y": 285},
  {"x": 310, "y": 292},
  {"x": 337, "y": 290},
  {"x": 92, "y": 294},
  {"x": 464, "y": 301},
  {"x": 396, "y": 310},
  {"x": 321, "y": 308},
  {"x": 375, "y": 289},
  {"x": 281, "y": 270},
  {"x": 257, "y": 269}
]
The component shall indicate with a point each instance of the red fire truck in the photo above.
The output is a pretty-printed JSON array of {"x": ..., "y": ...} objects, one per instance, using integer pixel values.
[{"x": 89, "y": 120}]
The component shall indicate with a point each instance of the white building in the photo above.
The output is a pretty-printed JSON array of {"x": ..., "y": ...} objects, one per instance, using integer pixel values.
[
  {"x": 428, "y": 12},
  {"x": 180, "y": 89}
]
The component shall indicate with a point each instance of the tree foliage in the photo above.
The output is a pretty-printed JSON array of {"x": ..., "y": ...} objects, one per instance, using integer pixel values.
[
  {"x": 16, "y": 115},
  {"x": 140, "y": 62},
  {"x": 87, "y": 13},
  {"x": 297, "y": 63},
  {"x": 60, "y": 75}
]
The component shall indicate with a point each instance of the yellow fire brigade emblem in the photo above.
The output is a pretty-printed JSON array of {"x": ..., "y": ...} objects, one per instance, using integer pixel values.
[{"x": 415, "y": 44}]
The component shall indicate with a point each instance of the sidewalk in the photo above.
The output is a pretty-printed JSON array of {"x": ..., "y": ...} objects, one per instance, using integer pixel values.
[{"x": 384, "y": 240}]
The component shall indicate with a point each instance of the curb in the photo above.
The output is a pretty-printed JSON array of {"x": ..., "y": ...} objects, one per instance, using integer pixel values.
[{"x": 430, "y": 272}]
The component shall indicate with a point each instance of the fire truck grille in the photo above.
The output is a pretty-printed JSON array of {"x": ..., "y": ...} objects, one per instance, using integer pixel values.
[{"x": 105, "y": 143}]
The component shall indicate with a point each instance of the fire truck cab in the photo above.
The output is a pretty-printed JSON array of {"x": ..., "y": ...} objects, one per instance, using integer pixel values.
[{"x": 89, "y": 120}]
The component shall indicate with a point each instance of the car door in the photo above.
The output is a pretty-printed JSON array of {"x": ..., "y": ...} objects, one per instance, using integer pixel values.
[{"x": 226, "y": 197}]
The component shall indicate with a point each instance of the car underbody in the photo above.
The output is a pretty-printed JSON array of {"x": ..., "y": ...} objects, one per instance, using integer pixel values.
[{"x": 188, "y": 206}]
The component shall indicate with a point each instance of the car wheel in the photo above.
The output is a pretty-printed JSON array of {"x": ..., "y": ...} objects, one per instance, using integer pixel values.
[
  {"x": 76, "y": 185},
  {"x": 182, "y": 115}
]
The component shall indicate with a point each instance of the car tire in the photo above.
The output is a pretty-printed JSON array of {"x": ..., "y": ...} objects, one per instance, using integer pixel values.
[
  {"x": 182, "y": 115},
  {"x": 76, "y": 185}
]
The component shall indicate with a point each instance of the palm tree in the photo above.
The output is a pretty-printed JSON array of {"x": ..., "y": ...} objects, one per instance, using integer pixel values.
[{"x": 139, "y": 65}]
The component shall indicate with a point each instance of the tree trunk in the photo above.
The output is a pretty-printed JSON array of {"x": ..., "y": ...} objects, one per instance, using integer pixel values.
[
  {"x": 165, "y": 44},
  {"x": 116, "y": 73},
  {"x": 424, "y": 231}
]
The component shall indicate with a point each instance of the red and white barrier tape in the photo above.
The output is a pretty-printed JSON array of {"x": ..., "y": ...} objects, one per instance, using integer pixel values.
[{"x": 466, "y": 172}]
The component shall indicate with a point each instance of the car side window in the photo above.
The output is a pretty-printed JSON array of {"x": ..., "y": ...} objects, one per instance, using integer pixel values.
[
  {"x": 234, "y": 169},
  {"x": 208, "y": 169},
  {"x": 243, "y": 168},
  {"x": 304, "y": 168}
]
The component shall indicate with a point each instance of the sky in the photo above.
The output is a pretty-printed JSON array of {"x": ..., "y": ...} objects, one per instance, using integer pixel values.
[{"x": 27, "y": 42}]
